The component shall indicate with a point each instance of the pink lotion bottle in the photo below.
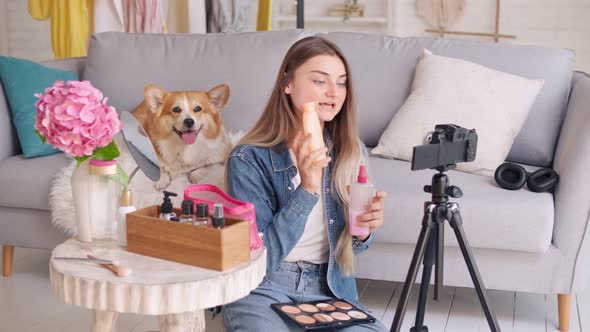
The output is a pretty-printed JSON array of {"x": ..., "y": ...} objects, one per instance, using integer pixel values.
[{"x": 361, "y": 196}]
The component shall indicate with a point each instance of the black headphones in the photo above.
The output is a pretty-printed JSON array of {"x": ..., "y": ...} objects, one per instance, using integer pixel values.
[{"x": 512, "y": 177}]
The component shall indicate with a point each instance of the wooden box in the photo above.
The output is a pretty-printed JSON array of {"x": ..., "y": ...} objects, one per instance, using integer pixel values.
[{"x": 203, "y": 246}]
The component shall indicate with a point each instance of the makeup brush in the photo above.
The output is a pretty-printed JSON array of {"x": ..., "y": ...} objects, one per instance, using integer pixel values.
[
  {"x": 118, "y": 270},
  {"x": 83, "y": 259}
]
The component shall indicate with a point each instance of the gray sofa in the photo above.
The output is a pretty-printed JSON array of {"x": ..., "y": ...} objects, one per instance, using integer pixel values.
[{"x": 515, "y": 234}]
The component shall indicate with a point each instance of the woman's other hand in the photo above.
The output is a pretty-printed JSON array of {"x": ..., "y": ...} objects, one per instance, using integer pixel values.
[{"x": 373, "y": 217}]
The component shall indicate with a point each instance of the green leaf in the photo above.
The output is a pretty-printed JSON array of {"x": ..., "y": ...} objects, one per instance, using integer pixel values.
[
  {"x": 80, "y": 160},
  {"x": 109, "y": 152},
  {"x": 40, "y": 136},
  {"x": 121, "y": 177}
]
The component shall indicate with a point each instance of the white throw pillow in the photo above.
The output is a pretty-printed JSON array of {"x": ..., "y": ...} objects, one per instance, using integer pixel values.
[{"x": 453, "y": 91}]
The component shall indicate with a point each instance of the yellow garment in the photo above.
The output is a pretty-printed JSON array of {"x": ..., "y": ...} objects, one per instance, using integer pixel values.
[
  {"x": 69, "y": 24},
  {"x": 264, "y": 15},
  {"x": 39, "y": 9}
]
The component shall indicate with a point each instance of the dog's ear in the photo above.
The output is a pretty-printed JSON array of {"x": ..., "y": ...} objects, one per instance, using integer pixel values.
[
  {"x": 218, "y": 97},
  {"x": 154, "y": 96}
]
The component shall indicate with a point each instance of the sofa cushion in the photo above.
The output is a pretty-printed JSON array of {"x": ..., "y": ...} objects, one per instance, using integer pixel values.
[
  {"x": 22, "y": 79},
  {"x": 496, "y": 104},
  {"x": 25, "y": 182},
  {"x": 383, "y": 68},
  {"x": 121, "y": 64},
  {"x": 492, "y": 217}
]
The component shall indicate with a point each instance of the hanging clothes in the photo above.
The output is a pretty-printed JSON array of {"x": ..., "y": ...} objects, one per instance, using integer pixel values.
[
  {"x": 108, "y": 15},
  {"x": 144, "y": 16},
  {"x": 264, "y": 15},
  {"x": 197, "y": 20},
  {"x": 69, "y": 25},
  {"x": 186, "y": 16},
  {"x": 228, "y": 15},
  {"x": 179, "y": 16}
]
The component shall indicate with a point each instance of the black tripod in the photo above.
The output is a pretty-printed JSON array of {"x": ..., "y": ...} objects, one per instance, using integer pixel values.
[{"x": 430, "y": 249}]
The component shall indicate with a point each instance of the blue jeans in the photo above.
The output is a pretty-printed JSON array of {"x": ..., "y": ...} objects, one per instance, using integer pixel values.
[{"x": 291, "y": 282}]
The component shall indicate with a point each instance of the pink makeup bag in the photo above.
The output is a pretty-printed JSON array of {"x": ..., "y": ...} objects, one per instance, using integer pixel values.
[{"x": 232, "y": 208}]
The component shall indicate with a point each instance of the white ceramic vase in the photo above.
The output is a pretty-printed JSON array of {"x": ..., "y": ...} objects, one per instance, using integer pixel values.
[{"x": 96, "y": 199}]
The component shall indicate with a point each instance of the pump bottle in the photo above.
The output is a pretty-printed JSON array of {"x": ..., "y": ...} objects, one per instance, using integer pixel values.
[
  {"x": 218, "y": 219},
  {"x": 361, "y": 196},
  {"x": 166, "y": 210}
]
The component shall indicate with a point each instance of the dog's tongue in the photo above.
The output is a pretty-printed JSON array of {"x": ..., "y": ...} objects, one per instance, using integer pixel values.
[{"x": 189, "y": 137}]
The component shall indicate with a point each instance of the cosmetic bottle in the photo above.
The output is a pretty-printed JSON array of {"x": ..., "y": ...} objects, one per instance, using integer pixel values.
[
  {"x": 126, "y": 207},
  {"x": 218, "y": 219},
  {"x": 188, "y": 208},
  {"x": 202, "y": 218},
  {"x": 311, "y": 125},
  {"x": 361, "y": 196},
  {"x": 166, "y": 210}
]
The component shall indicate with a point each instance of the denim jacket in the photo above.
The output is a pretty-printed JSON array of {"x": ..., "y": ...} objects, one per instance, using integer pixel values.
[{"x": 263, "y": 176}]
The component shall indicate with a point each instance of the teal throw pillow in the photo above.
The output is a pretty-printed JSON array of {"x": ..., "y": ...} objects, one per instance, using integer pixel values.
[{"x": 21, "y": 79}]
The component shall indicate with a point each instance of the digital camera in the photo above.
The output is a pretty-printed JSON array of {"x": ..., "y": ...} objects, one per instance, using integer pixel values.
[{"x": 448, "y": 144}]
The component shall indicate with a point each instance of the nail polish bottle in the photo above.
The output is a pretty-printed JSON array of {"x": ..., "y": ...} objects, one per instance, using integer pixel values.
[
  {"x": 188, "y": 208},
  {"x": 202, "y": 215},
  {"x": 218, "y": 218}
]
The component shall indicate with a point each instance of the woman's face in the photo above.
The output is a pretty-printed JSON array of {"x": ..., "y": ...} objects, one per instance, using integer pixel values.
[{"x": 321, "y": 79}]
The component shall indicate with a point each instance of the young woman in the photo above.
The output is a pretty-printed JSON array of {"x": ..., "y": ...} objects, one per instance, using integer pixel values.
[{"x": 301, "y": 197}]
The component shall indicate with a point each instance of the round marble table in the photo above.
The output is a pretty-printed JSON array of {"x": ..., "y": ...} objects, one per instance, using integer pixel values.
[{"x": 178, "y": 293}]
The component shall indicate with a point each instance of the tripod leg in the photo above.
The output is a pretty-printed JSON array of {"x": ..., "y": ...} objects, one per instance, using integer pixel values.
[
  {"x": 438, "y": 264},
  {"x": 413, "y": 270},
  {"x": 426, "y": 274},
  {"x": 457, "y": 225}
]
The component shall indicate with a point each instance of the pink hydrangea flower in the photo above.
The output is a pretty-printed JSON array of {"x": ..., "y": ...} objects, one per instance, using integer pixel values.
[{"x": 74, "y": 117}]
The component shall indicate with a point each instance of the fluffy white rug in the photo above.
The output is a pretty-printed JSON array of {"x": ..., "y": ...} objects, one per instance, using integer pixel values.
[{"x": 142, "y": 188}]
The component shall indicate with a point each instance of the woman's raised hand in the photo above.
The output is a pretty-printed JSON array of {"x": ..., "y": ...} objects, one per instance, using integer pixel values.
[{"x": 310, "y": 163}]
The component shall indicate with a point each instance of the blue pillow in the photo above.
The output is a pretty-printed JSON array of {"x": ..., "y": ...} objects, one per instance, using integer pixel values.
[{"x": 21, "y": 80}]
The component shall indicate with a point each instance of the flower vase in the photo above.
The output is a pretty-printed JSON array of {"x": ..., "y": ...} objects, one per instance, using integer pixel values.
[{"x": 96, "y": 199}]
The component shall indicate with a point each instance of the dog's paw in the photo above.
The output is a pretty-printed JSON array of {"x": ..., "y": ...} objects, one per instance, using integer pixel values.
[
  {"x": 163, "y": 183},
  {"x": 196, "y": 175}
]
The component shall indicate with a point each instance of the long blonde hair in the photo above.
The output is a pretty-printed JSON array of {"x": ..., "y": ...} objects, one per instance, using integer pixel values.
[{"x": 279, "y": 123}]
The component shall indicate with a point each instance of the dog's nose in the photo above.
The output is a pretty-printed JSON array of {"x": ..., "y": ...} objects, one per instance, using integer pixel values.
[{"x": 189, "y": 123}]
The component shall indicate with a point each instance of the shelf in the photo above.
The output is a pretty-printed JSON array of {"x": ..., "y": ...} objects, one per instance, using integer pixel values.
[{"x": 334, "y": 19}]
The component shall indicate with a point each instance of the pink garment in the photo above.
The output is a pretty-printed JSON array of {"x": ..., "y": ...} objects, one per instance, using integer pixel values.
[{"x": 145, "y": 16}]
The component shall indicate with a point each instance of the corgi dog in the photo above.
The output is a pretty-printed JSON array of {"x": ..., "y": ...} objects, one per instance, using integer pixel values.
[{"x": 186, "y": 130}]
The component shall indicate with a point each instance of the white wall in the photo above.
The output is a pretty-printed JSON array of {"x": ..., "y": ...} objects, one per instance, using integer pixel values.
[
  {"x": 550, "y": 23},
  {"x": 24, "y": 37}
]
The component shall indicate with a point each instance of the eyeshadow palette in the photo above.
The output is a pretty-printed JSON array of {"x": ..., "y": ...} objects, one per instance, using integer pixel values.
[{"x": 323, "y": 314}]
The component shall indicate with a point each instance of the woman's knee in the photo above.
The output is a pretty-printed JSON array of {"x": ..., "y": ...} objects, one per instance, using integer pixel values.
[{"x": 255, "y": 317}]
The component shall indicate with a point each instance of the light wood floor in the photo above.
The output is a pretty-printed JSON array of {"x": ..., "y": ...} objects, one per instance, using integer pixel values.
[{"x": 27, "y": 304}]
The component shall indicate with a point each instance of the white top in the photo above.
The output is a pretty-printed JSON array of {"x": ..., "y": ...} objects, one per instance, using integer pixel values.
[
  {"x": 313, "y": 246},
  {"x": 155, "y": 286}
]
